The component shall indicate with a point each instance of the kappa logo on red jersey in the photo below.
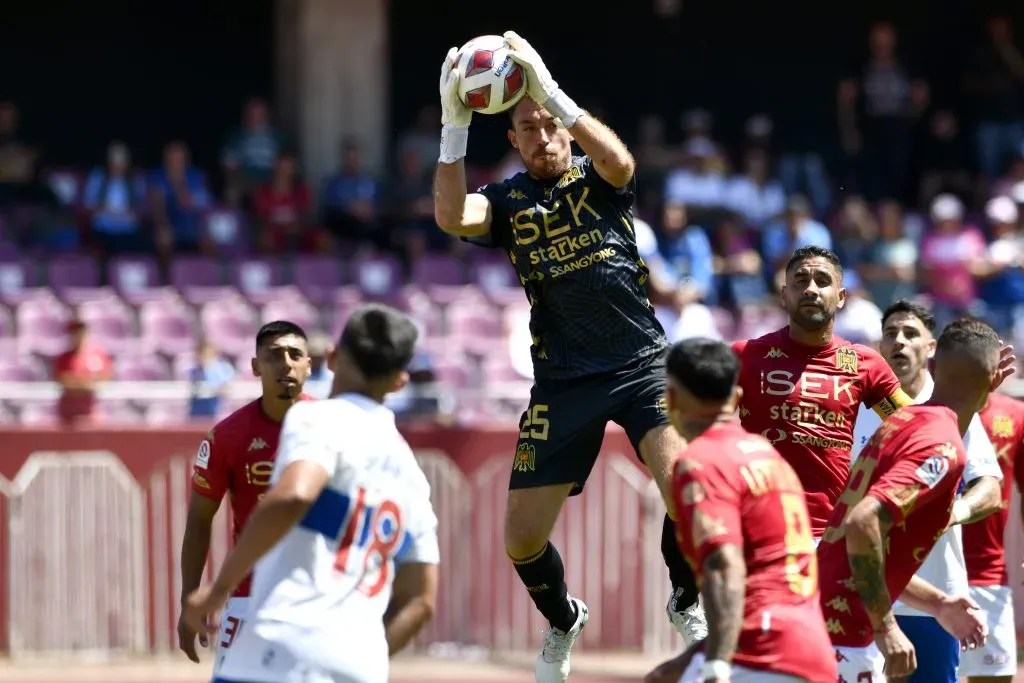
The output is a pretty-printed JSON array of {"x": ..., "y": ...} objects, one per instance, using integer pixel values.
[
  {"x": 775, "y": 353},
  {"x": 257, "y": 444}
]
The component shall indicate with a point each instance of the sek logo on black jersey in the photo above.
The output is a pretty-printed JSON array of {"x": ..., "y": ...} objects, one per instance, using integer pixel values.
[{"x": 563, "y": 249}]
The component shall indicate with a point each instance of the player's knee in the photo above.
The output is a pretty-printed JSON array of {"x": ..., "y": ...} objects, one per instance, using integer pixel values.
[
  {"x": 529, "y": 518},
  {"x": 659, "y": 449}
]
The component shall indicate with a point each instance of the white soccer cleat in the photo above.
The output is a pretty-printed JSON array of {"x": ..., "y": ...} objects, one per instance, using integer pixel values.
[
  {"x": 552, "y": 665},
  {"x": 690, "y": 622}
]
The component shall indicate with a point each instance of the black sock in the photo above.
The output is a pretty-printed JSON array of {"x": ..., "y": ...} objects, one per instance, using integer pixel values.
[
  {"x": 684, "y": 583},
  {"x": 544, "y": 577}
]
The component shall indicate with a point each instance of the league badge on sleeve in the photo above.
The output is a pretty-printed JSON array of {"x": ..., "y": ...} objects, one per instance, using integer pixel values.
[
  {"x": 932, "y": 470},
  {"x": 203, "y": 455}
]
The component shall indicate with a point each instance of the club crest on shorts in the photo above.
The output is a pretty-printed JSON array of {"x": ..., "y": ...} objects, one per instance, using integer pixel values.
[
  {"x": 846, "y": 360},
  {"x": 1002, "y": 426},
  {"x": 526, "y": 458}
]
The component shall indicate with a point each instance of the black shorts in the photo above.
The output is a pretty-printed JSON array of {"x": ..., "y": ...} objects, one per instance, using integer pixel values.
[{"x": 560, "y": 434}]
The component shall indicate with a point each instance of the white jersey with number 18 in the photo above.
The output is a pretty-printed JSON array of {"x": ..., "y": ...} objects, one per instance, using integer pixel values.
[{"x": 321, "y": 593}]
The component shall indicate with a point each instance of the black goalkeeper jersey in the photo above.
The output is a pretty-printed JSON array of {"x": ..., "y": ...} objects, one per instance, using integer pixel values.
[{"x": 572, "y": 244}]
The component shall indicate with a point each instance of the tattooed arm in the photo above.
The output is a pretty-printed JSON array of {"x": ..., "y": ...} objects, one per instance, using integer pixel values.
[
  {"x": 866, "y": 527},
  {"x": 981, "y": 498},
  {"x": 723, "y": 591}
]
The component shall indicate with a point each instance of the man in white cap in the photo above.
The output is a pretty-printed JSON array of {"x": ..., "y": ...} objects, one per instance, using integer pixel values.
[{"x": 1003, "y": 283}]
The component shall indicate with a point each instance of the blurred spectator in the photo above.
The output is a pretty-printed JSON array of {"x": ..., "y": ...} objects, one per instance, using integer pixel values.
[
  {"x": 1014, "y": 176},
  {"x": 349, "y": 199},
  {"x": 320, "y": 377},
  {"x": 944, "y": 160},
  {"x": 890, "y": 269},
  {"x": 1017, "y": 195},
  {"x": 794, "y": 230},
  {"x": 16, "y": 158},
  {"x": 39, "y": 219},
  {"x": 995, "y": 84},
  {"x": 655, "y": 157},
  {"x": 180, "y": 197},
  {"x": 420, "y": 141},
  {"x": 855, "y": 230},
  {"x": 1003, "y": 284},
  {"x": 249, "y": 155},
  {"x": 78, "y": 371},
  {"x": 687, "y": 252},
  {"x": 877, "y": 110},
  {"x": 511, "y": 164},
  {"x": 210, "y": 378},
  {"x": 952, "y": 256},
  {"x": 411, "y": 205},
  {"x": 755, "y": 195},
  {"x": 423, "y": 397},
  {"x": 115, "y": 196},
  {"x": 738, "y": 267},
  {"x": 699, "y": 183},
  {"x": 860, "y": 319},
  {"x": 282, "y": 205}
]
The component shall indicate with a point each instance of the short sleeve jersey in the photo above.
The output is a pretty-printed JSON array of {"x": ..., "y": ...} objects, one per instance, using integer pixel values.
[
  {"x": 805, "y": 399},
  {"x": 984, "y": 548},
  {"x": 237, "y": 458},
  {"x": 572, "y": 244},
  {"x": 732, "y": 487},
  {"x": 912, "y": 466}
]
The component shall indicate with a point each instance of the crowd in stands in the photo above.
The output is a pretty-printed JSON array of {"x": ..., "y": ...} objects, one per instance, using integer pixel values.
[{"x": 165, "y": 273}]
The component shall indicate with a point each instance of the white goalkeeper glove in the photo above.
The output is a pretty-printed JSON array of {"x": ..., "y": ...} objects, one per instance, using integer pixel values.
[
  {"x": 540, "y": 86},
  {"x": 455, "y": 115}
]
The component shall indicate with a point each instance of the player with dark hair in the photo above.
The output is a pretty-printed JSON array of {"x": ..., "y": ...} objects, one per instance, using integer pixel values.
[
  {"x": 742, "y": 524},
  {"x": 566, "y": 224},
  {"x": 985, "y": 552},
  {"x": 236, "y": 458},
  {"x": 898, "y": 501},
  {"x": 346, "y": 537},
  {"x": 907, "y": 344},
  {"x": 802, "y": 385}
]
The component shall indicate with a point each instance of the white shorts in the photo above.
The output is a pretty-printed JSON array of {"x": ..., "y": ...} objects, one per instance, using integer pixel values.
[
  {"x": 739, "y": 674},
  {"x": 230, "y": 625},
  {"x": 999, "y": 655},
  {"x": 860, "y": 664}
]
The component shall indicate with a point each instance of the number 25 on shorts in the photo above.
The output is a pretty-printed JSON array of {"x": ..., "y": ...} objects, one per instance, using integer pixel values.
[{"x": 535, "y": 424}]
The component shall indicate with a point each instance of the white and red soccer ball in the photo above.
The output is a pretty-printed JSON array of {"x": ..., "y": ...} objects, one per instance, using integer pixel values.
[{"x": 489, "y": 81}]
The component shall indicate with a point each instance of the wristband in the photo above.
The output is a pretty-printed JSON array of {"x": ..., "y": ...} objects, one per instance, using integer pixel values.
[
  {"x": 961, "y": 511},
  {"x": 714, "y": 669},
  {"x": 563, "y": 108},
  {"x": 454, "y": 141}
]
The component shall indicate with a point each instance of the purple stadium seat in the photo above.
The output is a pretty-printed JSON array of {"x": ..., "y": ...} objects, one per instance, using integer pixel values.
[
  {"x": 167, "y": 327},
  {"x": 230, "y": 325},
  {"x": 379, "y": 276},
  {"x": 37, "y": 413},
  {"x": 724, "y": 322},
  {"x": 17, "y": 280},
  {"x": 73, "y": 272},
  {"x": 182, "y": 364},
  {"x": 452, "y": 373},
  {"x": 67, "y": 184},
  {"x": 199, "y": 279},
  {"x": 166, "y": 413},
  {"x": 111, "y": 324},
  {"x": 22, "y": 369},
  {"x": 318, "y": 277},
  {"x": 6, "y": 323},
  {"x": 142, "y": 368},
  {"x": 258, "y": 279},
  {"x": 7, "y": 415},
  {"x": 474, "y": 321},
  {"x": 136, "y": 278},
  {"x": 42, "y": 326},
  {"x": 496, "y": 277},
  {"x": 8, "y": 251},
  {"x": 227, "y": 230},
  {"x": 435, "y": 269},
  {"x": 294, "y": 309},
  {"x": 117, "y": 412}
]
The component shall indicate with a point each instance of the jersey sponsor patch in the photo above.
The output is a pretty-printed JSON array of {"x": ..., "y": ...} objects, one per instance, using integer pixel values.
[
  {"x": 932, "y": 470},
  {"x": 203, "y": 455}
]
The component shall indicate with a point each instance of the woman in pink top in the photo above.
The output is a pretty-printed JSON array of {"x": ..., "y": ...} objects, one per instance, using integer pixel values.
[{"x": 952, "y": 257}]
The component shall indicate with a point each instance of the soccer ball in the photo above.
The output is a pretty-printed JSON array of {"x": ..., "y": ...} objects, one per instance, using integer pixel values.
[{"x": 489, "y": 81}]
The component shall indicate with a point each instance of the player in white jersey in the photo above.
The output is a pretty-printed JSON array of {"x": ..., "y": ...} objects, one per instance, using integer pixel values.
[
  {"x": 908, "y": 342},
  {"x": 345, "y": 539}
]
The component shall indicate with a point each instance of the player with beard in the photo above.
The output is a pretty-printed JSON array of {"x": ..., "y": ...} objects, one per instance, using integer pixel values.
[
  {"x": 898, "y": 502},
  {"x": 566, "y": 224},
  {"x": 802, "y": 385},
  {"x": 985, "y": 551},
  {"x": 908, "y": 342},
  {"x": 236, "y": 459}
]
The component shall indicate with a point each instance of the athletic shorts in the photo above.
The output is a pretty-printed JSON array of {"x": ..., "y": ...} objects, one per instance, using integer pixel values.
[
  {"x": 938, "y": 652},
  {"x": 230, "y": 625},
  {"x": 860, "y": 664},
  {"x": 740, "y": 674},
  {"x": 561, "y": 432},
  {"x": 998, "y": 657}
]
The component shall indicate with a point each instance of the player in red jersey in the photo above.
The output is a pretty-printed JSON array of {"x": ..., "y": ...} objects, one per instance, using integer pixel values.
[
  {"x": 803, "y": 386},
  {"x": 237, "y": 458},
  {"x": 985, "y": 554},
  {"x": 742, "y": 524},
  {"x": 898, "y": 502}
]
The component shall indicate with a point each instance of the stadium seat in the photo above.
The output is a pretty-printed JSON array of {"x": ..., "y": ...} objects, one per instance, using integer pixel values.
[
  {"x": 111, "y": 324},
  {"x": 199, "y": 279},
  {"x": 167, "y": 327},
  {"x": 259, "y": 279},
  {"x": 68, "y": 184},
  {"x": 317, "y": 277},
  {"x": 227, "y": 230},
  {"x": 66, "y": 274},
  {"x": 22, "y": 369},
  {"x": 230, "y": 324},
  {"x": 117, "y": 412},
  {"x": 441, "y": 276},
  {"x": 17, "y": 280},
  {"x": 164, "y": 413},
  {"x": 42, "y": 326},
  {"x": 294, "y": 309},
  {"x": 37, "y": 413},
  {"x": 142, "y": 368},
  {"x": 379, "y": 276},
  {"x": 136, "y": 278}
]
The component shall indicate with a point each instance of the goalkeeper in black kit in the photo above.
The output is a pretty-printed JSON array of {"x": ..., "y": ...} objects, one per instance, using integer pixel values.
[{"x": 566, "y": 225}]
